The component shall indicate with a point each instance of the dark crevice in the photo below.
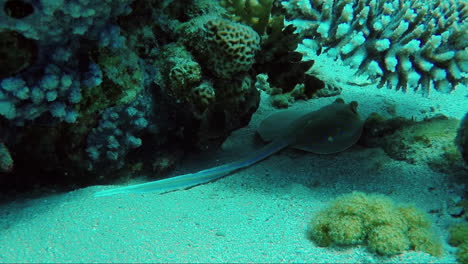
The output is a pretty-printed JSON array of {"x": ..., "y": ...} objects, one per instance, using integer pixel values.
[{"x": 18, "y": 9}]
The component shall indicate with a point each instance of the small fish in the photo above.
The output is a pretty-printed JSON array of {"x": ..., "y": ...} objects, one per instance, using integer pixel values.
[{"x": 330, "y": 129}]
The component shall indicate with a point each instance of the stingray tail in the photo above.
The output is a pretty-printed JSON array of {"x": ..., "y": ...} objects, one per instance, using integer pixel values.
[{"x": 193, "y": 179}]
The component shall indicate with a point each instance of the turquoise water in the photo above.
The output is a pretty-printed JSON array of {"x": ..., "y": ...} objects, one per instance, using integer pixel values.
[{"x": 97, "y": 95}]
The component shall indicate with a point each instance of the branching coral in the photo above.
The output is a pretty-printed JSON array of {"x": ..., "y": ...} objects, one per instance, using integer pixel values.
[
  {"x": 401, "y": 44},
  {"x": 117, "y": 133}
]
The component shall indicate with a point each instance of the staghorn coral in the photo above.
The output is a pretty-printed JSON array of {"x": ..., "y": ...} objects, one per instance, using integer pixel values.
[{"x": 420, "y": 45}]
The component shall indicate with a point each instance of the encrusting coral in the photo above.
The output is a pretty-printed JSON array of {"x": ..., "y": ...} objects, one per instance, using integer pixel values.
[
  {"x": 375, "y": 220},
  {"x": 429, "y": 141}
]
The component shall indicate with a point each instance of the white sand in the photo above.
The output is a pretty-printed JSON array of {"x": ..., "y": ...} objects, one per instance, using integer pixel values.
[{"x": 259, "y": 214}]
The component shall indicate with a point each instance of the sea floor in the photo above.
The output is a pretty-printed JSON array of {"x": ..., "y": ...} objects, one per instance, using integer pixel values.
[{"x": 259, "y": 214}]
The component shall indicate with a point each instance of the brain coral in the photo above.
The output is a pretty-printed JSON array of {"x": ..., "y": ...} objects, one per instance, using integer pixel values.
[
  {"x": 420, "y": 45},
  {"x": 231, "y": 46}
]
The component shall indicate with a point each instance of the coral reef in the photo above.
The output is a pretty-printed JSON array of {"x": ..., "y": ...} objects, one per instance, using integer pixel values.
[
  {"x": 48, "y": 69},
  {"x": 232, "y": 46},
  {"x": 218, "y": 89},
  {"x": 91, "y": 90},
  {"x": 401, "y": 44},
  {"x": 118, "y": 132},
  {"x": 66, "y": 62},
  {"x": 56, "y": 92},
  {"x": 124, "y": 72},
  {"x": 278, "y": 53},
  {"x": 54, "y": 22},
  {"x": 94, "y": 89},
  {"x": 181, "y": 72},
  {"x": 375, "y": 220}
]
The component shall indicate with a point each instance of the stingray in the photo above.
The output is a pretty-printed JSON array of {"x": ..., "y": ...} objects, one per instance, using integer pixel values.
[{"x": 331, "y": 129}]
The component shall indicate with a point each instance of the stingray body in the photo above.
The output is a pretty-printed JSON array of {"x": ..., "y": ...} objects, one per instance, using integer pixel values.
[{"x": 330, "y": 129}]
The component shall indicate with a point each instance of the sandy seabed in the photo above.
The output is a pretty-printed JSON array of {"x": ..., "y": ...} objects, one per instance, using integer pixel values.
[{"x": 259, "y": 214}]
